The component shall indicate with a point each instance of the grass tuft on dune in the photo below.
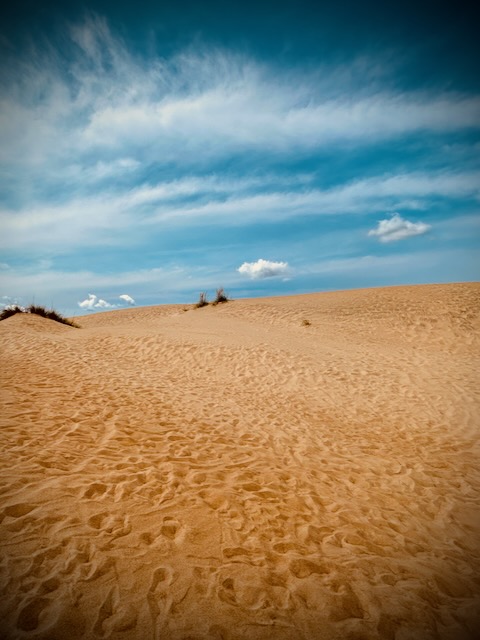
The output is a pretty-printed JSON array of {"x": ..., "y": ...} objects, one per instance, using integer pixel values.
[{"x": 50, "y": 314}]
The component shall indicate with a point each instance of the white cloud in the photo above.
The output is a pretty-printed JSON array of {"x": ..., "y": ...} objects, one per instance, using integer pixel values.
[
  {"x": 253, "y": 108},
  {"x": 263, "y": 269},
  {"x": 103, "y": 304},
  {"x": 194, "y": 106},
  {"x": 109, "y": 219},
  {"x": 380, "y": 193},
  {"x": 93, "y": 302},
  {"x": 397, "y": 228},
  {"x": 89, "y": 135},
  {"x": 89, "y": 302},
  {"x": 126, "y": 298},
  {"x": 100, "y": 171}
]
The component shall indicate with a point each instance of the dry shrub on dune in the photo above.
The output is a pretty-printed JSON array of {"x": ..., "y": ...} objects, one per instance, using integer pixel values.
[
  {"x": 202, "y": 300},
  {"x": 221, "y": 296}
]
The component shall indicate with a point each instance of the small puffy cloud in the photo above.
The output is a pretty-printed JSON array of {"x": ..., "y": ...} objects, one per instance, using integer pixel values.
[
  {"x": 396, "y": 228},
  {"x": 103, "y": 304},
  {"x": 93, "y": 302},
  {"x": 263, "y": 269},
  {"x": 89, "y": 302}
]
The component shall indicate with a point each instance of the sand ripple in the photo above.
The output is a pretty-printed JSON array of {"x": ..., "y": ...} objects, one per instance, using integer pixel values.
[{"x": 233, "y": 473}]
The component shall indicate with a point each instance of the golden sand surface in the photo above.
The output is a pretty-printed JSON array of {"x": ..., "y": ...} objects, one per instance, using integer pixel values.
[{"x": 288, "y": 468}]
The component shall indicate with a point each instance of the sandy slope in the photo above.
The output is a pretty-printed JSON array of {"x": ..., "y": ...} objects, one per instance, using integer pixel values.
[{"x": 230, "y": 473}]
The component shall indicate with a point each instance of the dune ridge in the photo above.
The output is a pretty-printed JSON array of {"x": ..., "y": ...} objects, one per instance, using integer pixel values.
[{"x": 232, "y": 472}]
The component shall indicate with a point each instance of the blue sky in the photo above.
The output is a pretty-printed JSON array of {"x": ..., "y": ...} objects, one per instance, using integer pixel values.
[{"x": 152, "y": 151}]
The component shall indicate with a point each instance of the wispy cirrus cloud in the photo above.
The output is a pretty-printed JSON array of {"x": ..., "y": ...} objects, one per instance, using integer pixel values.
[
  {"x": 269, "y": 118},
  {"x": 114, "y": 218},
  {"x": 195, "y": 106}
]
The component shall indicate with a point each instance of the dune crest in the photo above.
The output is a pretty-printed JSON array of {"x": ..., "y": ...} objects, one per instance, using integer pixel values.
[{"x": 291, "y": 468}]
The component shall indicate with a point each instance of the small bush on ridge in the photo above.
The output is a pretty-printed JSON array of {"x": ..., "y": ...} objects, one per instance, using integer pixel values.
[
  {"x": 221, "y": 296},
  {"x": 202, "y": 300}
]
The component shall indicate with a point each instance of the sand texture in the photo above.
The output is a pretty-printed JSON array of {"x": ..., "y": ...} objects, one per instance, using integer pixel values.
[{"x": 234, "y": 472}]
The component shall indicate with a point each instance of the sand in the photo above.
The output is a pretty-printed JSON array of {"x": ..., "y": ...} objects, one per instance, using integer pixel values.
[{"x": 234, "y": 472}]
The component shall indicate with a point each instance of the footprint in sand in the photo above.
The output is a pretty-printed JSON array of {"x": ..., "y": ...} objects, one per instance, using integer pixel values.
[
  {"x": 113, "y": 526},
  {"x": 95, "y": 489},
  {"x": 158, "y": 596},
  {"x": 28, "y": 618},
  {"x": 107, "y": 609},
  {"x": 162, "y": 578},
  {"x": 171, "y": 528},
  {"x": 114, "y": 616},
  {"x": 96, "y": 521},
  {"x": 19, "y": 510}
]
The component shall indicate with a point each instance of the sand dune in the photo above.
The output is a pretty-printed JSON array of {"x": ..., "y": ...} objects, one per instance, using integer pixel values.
[{"x": 233, "y": 472}]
